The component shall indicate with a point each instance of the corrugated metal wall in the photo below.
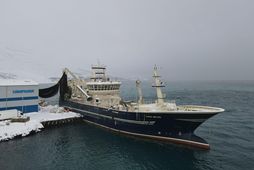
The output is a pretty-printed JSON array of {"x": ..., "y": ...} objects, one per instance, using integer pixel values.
[{"x": 23, "y": 98}]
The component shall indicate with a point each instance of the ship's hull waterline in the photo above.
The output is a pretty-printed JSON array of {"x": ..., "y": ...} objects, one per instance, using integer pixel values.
[{"x": 175, "y": 128}]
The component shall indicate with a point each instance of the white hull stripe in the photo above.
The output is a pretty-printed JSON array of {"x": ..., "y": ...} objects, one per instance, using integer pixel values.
[
  {"x": 118, "y": 119},
  {"x": 175, "y": 140},
  {"x": 192, "y": 120},
  {"x": 135, "y": 121}
]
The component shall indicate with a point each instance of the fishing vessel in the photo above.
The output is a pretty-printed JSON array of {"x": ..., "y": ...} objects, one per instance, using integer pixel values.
[{"x": 98, "y": 100}]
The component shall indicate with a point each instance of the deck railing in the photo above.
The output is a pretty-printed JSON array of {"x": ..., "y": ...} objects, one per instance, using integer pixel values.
[{"x": 150, "y": 101}]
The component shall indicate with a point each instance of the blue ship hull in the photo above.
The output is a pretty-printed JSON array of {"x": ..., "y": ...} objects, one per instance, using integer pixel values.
[{"x": 169, "y": 127}]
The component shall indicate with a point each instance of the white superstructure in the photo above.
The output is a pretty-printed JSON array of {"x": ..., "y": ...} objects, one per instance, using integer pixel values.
[{"x": 101, "y": 91}]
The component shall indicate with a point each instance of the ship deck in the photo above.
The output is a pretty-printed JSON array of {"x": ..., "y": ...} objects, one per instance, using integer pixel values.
[
  {"x": 154, "y": 108},
  {"x": 180, "y": 109}
]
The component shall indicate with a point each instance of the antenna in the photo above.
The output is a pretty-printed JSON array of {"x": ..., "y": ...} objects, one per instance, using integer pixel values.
[{"x": 98, "y": 62}]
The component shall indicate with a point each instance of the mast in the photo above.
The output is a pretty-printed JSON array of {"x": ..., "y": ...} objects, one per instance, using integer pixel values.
[
  {"x": 158, "y": 85},
  {"x": 99, "y": 73},
  {"x": 140, "y": 96}
]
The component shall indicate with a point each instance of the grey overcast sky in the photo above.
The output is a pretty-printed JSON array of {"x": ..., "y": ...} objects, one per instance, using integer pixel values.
[{"x": 188, "y": 39}]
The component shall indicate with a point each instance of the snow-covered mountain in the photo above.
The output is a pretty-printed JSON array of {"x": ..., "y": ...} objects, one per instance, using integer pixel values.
[
  {"x": 20, "y": 64},
  {"x": 24, "y": 64}
]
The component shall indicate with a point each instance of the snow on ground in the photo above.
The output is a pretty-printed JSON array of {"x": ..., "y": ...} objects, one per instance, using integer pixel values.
[
  {"x": 50, "y": 113},
  {"x": 9, "y": 130}
]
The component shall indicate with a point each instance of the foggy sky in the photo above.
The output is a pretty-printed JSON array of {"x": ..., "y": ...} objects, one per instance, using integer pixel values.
[{"x": 188, "y": 39}]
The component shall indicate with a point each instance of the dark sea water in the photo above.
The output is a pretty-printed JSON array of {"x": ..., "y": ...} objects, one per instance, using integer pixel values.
[{"x": 82, "y": 146}]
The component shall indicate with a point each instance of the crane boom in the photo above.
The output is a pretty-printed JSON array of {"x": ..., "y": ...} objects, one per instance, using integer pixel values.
[{"x": 66, "y": 71}]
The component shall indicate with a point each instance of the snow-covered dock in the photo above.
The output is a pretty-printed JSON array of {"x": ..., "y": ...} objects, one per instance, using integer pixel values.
[{"x": 10, "y": 130}]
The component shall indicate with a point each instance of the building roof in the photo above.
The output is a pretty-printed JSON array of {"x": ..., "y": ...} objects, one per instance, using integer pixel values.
[{"x": 14, "y": 82}]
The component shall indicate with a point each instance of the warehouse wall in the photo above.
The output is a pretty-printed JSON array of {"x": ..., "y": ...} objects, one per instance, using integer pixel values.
[{"x": 23, "y": 98}]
